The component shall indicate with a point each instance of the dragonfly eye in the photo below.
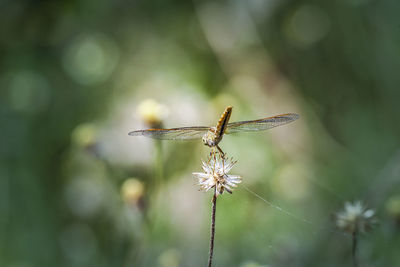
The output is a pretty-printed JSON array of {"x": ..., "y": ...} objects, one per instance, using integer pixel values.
[{"x": 204, "y": 139}]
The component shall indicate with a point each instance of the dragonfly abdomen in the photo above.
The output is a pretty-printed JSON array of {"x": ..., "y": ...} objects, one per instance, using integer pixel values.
[{"x": 223, "y": 122}]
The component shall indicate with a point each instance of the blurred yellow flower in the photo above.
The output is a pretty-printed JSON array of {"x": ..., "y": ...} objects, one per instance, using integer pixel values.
[
  {"x": 152, "y": 112},
  {"x": 132, "y": 191},
  {"x": 393, "y": 206},
  {"x": 84, "y": 134}
]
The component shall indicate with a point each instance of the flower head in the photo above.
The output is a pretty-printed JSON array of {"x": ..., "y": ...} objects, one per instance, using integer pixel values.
[
  {"x": 216, "y": 175},
  {"x": 132, "y": 191},
  {"x": 355, "y": 217},
  {"x": 152, "y": 112}
]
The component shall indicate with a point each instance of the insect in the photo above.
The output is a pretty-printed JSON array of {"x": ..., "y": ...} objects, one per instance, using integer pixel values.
[{"x": 211, "y": 136}]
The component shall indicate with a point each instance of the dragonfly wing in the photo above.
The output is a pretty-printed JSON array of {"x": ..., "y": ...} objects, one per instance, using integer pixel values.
[
  {"x": 183, "y": 133},
  {"x": 261, "y": 124}
]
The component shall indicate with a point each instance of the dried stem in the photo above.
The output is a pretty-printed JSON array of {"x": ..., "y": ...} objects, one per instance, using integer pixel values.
[
  {"x": 214, "y": 208},
  {"x": 354, "y": 248}
]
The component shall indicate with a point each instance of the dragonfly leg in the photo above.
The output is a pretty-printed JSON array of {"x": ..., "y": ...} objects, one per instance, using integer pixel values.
[
  {"x": 220, "y": 151},
  {"x": 222, "y": 155},
  {"x": 212, "y": 154}
]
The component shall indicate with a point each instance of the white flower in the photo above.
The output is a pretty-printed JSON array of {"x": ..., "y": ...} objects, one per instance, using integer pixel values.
[
  {"x": 355, "y": 217},
  {"x": 216, "y": 175}
]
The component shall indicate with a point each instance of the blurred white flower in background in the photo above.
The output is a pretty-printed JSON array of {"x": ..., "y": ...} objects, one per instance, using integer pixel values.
[{"x": 355, "y": 217}]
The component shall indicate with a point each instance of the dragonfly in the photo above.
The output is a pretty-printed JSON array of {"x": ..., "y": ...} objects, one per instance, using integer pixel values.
[{"x": 212, "y": 136}]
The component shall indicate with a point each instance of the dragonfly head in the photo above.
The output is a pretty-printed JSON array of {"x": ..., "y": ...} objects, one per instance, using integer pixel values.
[{"x": 209, "y": 139}]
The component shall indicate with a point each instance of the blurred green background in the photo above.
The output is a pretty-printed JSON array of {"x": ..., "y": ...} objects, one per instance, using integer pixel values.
[{"x": 77, "y": 76}]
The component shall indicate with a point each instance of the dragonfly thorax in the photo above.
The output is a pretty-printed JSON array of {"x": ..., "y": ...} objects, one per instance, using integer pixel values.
[{"x": 210, "y": 138}]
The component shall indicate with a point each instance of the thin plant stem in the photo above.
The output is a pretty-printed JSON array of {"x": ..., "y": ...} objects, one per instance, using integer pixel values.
[
  {"x": 158, "y": 174},
  {"x": 214, "y": 208},
  {"x": 156, "y": 183},
  {"x": 354, "y": 248}
]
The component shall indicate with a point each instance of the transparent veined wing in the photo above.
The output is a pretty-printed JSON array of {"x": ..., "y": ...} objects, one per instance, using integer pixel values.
[
  {"x": 182, "y": 133},
  {"x": 261, "y": 124}
]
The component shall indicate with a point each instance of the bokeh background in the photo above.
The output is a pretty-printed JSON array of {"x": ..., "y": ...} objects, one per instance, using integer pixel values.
[{"x": 77, "y": 76}]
